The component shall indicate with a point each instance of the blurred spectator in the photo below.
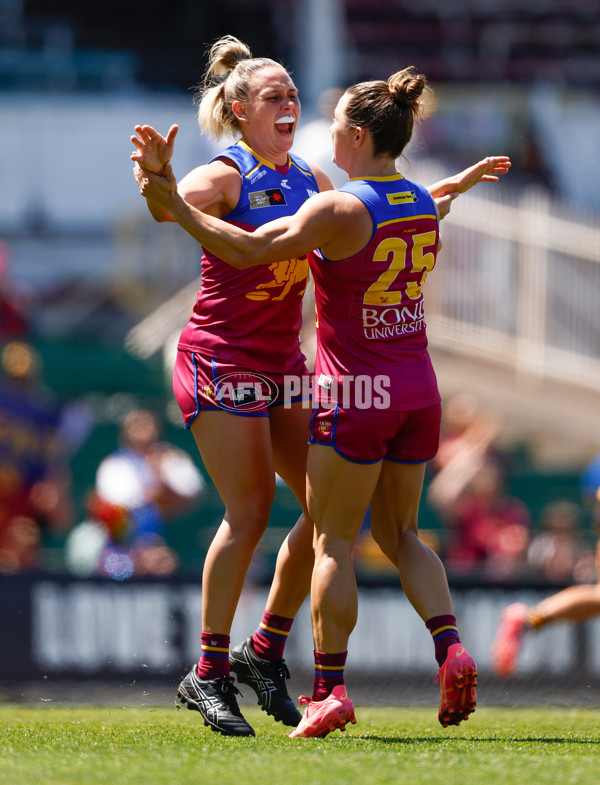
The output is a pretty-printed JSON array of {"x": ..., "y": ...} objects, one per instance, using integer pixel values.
[
  {"x": 489, "y": 529},
  {"x": 35, "y": 481},
  {"x": 137, "y": 490},
  {"x": 13, "y": 321},
  {"x": 557, "y": 552},
  {"x": 466, "y": 443}
]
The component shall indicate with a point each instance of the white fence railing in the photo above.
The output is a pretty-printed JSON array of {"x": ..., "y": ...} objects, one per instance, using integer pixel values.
[{"x": 519, "y": 284}]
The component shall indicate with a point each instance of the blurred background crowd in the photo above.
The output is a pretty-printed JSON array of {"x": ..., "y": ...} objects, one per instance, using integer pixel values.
[{"x": 97, "y": 476}]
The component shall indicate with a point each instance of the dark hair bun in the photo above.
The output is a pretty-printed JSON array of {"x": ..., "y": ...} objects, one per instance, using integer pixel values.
[{"x": 407, "y": 87}]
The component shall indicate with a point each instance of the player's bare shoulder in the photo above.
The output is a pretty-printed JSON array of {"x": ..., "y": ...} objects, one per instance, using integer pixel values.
[{"x": 214, "y": 185}]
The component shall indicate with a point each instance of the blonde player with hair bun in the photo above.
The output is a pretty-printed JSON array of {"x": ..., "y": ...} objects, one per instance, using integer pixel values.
[{"x": 244, "y": 328}]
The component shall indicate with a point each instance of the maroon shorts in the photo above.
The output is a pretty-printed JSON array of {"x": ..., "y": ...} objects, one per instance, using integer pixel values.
[
  {"x": 369, "y": 435},
  {"x": 206, "y": 384}
]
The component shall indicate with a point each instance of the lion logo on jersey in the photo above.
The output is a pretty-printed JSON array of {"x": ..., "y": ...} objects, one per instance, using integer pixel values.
[{"x": 285, "y": 276}]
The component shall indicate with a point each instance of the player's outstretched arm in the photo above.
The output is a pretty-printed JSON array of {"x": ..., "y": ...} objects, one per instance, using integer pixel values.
[{"x": 488, "y": 170}]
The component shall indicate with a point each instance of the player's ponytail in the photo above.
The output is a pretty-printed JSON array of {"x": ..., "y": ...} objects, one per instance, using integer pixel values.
[{"x": 223, "y": 57}]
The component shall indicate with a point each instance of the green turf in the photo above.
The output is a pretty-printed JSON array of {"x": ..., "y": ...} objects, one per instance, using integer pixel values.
[{"x": 156, "y": 746}]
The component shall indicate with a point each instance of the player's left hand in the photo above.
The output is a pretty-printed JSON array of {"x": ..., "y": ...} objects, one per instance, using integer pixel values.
[{"x": 159, "y": 188}]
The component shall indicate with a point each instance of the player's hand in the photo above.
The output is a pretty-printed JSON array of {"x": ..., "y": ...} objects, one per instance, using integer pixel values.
[
  {"x": 443, "y": 204},
  {"x": 154, "y": 151},
  {"x": 486, "y": 171},
  {"x": 158, "y": 188}
]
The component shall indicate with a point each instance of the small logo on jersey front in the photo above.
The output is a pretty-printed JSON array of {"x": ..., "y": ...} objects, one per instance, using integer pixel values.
[
  {"x": 269, "y": 198},
  {"x": 284, "y": 184},
  {"x": 310, "y": 192},
  {"x": 402, "y": 197},
  {"x": 256, "y": 178}
]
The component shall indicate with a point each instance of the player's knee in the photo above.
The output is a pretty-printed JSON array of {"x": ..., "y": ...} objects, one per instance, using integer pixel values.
[
  {"x": 250, "y": 520},
  {"x": 392, "y": 537}
]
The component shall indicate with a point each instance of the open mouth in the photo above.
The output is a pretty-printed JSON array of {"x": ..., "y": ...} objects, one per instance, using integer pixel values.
[{"x": 285, "y": 125}]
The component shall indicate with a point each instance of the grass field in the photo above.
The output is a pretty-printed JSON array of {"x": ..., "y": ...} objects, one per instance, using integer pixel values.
[{"x": 156, "y": 746}]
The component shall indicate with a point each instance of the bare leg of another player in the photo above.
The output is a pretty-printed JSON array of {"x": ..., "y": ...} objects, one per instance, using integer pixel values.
[{"x": 575, "y": 604}]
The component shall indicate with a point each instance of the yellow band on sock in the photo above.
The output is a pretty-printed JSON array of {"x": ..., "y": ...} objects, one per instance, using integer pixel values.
[
  {"x": 273, "y": 629},
  {"x": 443, "y": 629},
  {"x": 329, "y": 667}
]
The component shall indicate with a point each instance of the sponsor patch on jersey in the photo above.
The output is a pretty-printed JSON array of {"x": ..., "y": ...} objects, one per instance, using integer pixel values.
[
  {"x": 269, "y": 198},
  {"x": 402, "y": 197}
]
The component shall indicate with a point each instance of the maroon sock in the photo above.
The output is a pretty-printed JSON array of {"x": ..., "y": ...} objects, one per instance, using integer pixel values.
[
  {"x": 270, "y": 638},
  {"x": 214, "y": 661},
  {"x": 329, "y": 672},
  {"x": 444, "y": 632}
]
